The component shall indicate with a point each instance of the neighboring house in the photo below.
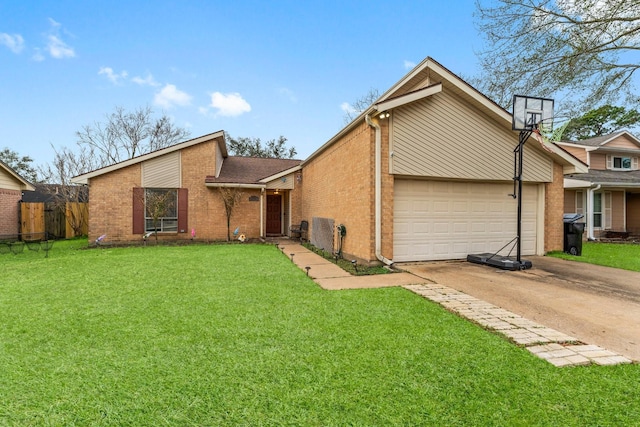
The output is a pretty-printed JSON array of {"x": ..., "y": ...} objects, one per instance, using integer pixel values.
[
  {"x": 426, "y": 173},
  {"x": 608, "y": 195},
  {"x": 12, "y": 187},
  {"x": 190, "y": 173}
]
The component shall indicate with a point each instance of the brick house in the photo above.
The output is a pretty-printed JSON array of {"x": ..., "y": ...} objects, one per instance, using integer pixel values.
[
  {"x": 608, "y": 195},
  {"x": 425, "y": 173},
  {"x": 12, "y": 186},
  {"x": 189, "y": 174}
]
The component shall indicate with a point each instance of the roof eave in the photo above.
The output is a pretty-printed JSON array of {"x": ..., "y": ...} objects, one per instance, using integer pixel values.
[
  {"x": 280, "y": 174},
  {"x": 234, "y": 185},
  {"x": 84, "y": 178}
]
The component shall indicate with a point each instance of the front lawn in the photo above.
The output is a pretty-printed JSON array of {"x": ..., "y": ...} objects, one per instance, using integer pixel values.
[
  {"x": 618, "y": 255},
  {"x": 237, "y": 335}
]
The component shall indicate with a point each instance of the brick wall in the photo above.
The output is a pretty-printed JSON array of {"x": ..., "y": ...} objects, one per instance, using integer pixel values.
[
  {"x": 387, "y": 193},
  {"x": 554, "y": 209},
  {"x": 111, "y": 204},
  {"x": 9, "y": 221},
  {"x": 111, "y": 207},
  {"x": 338, "y": 184}
]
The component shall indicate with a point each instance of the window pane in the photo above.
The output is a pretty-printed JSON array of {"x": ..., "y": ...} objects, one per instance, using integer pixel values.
[
  {"x": 161, "y": 205},
  {"x": 626, "y": 163},
  {"x": 169, "y": 225},
  {"x": 597, "y": 220},
  {"x": 617, "y": 162},
  {"x": 597, "y": 203}
]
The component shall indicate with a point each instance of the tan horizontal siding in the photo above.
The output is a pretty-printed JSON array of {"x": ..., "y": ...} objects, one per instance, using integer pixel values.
[
  {"x": 623, "y": 141},
  {"x": 162, "y": 172},
  {"x": 443, "y": 137}
]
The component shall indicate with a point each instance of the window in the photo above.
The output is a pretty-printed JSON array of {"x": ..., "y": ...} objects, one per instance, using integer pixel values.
[
  {"x": 622, "y": 163},
  {"x": 161, "y": 210},
  {"x": 597, "y": 210}
]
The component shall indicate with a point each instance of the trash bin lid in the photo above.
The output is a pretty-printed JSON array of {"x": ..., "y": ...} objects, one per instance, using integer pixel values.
[{"x": 572, "y": 217}]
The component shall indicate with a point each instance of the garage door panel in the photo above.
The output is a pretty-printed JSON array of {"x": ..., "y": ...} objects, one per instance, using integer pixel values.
[{"x": 449, "y": 220}]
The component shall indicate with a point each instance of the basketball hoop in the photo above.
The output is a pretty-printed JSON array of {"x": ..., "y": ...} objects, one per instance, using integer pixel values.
[{"x": 529, "y": 113}]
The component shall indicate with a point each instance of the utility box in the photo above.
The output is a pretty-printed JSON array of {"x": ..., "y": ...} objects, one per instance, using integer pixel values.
[{"x": 573, "y": 231}]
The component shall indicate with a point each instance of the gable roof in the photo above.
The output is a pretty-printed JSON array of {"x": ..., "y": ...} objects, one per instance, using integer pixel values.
[
  {"x": 219, "y": 136},
  {"x": 251, "y": 171},
  {"x": 22, "y": 183},
  {"x": 428, "y": 78},
  {"x": 599, "y": 141}
]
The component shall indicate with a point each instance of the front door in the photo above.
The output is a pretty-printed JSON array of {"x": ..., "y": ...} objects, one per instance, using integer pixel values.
[{"x": 274, "y": 214}]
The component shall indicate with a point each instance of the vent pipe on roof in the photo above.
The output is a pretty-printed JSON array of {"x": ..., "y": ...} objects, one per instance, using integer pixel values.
[{"x": 378, "y": 192}]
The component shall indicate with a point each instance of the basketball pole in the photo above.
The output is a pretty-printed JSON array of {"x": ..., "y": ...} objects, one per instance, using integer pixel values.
[{"x": 524, "y": 135}]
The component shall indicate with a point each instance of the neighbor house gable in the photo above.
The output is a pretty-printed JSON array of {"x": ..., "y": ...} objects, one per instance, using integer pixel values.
[
  {"x": 600, "y": 152},
  {"x": 11, "y": 180}
]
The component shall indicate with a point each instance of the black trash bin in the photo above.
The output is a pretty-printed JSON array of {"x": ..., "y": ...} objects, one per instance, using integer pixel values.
[{"x": 573, "y": 231}]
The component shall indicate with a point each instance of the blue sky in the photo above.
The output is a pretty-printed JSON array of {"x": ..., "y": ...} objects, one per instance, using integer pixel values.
[{"x": 252, "y": 68}]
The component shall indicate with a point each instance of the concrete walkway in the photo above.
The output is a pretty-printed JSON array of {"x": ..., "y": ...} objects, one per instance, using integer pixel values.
[{"x": 556, "y": 347}]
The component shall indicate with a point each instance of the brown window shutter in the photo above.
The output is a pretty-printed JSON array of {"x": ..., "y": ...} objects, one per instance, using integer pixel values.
[
  {"x": 138, "y": 210},
  {"x": 183, "y": 210}
]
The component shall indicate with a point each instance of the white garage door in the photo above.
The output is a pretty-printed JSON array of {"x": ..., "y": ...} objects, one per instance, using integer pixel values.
[{"x": 435, "y": 220}]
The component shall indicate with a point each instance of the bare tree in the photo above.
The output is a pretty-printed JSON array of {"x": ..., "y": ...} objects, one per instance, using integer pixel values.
[
  {"x": 578, "y": 49},
  {"x": 231, "y": 197},
  {"x": 66, "y": 196},
  {"x": 125, "y": 135},
  {"x": 353, "y": 110}
]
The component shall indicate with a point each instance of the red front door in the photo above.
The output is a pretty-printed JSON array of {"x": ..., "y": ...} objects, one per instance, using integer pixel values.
[{"x": 274, "y": 214}]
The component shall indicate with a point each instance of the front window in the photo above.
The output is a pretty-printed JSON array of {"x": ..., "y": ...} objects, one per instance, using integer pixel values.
[
  {"x": 597, "y": 210},
  {"x": 622, "y": 163},
  {"x": 161, "y": 210}
]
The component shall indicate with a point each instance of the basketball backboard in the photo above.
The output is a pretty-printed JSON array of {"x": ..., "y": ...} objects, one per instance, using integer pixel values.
[{"x": 530, "y": 111}]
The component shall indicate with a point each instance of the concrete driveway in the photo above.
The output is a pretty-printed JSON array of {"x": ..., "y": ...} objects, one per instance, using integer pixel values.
[{"x": 597, "y": 305}]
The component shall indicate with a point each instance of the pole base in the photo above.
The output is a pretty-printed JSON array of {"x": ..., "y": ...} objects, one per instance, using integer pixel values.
[{"x": 499, "y": 261}]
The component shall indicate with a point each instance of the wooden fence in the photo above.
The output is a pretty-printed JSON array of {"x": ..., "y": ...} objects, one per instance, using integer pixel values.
[{"x": 47, "y": 217}]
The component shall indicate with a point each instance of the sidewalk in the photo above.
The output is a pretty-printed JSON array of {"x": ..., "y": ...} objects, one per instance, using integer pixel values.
[{"x": 557, "y": 348}]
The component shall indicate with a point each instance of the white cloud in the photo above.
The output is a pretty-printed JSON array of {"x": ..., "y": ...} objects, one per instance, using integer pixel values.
[
  {"x": 14, "y": 42},
  {"x": 113, "y": 77},
  {"x": 347, "y": 108},
  {"x": 230, "y": 104},
  {"x": 59, "y": 49},
  {"x": 408, "y": 65},
  {"x": 146, "y": 81},
  {"x": 170, "y": 96},
  {"x": 56, "y": 47}
]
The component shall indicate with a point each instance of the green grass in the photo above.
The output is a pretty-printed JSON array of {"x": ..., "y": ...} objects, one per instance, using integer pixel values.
[
  {"x": 237, "y": 335},
  {"x": 347, "y": 264},
  {"x": 618, "y": 255}
]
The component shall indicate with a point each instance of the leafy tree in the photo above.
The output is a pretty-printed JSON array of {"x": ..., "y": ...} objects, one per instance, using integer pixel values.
[
  {"x": 125, "y": 135},
  {"x": 20, "y": 164},
  {"x": 546, "y": 47},
  {"x": 231, "y": 197},
  {"x": 601, "y": 121},
  {"x": 353, "y": 110},
  {"x": 253, "y": 147}
]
